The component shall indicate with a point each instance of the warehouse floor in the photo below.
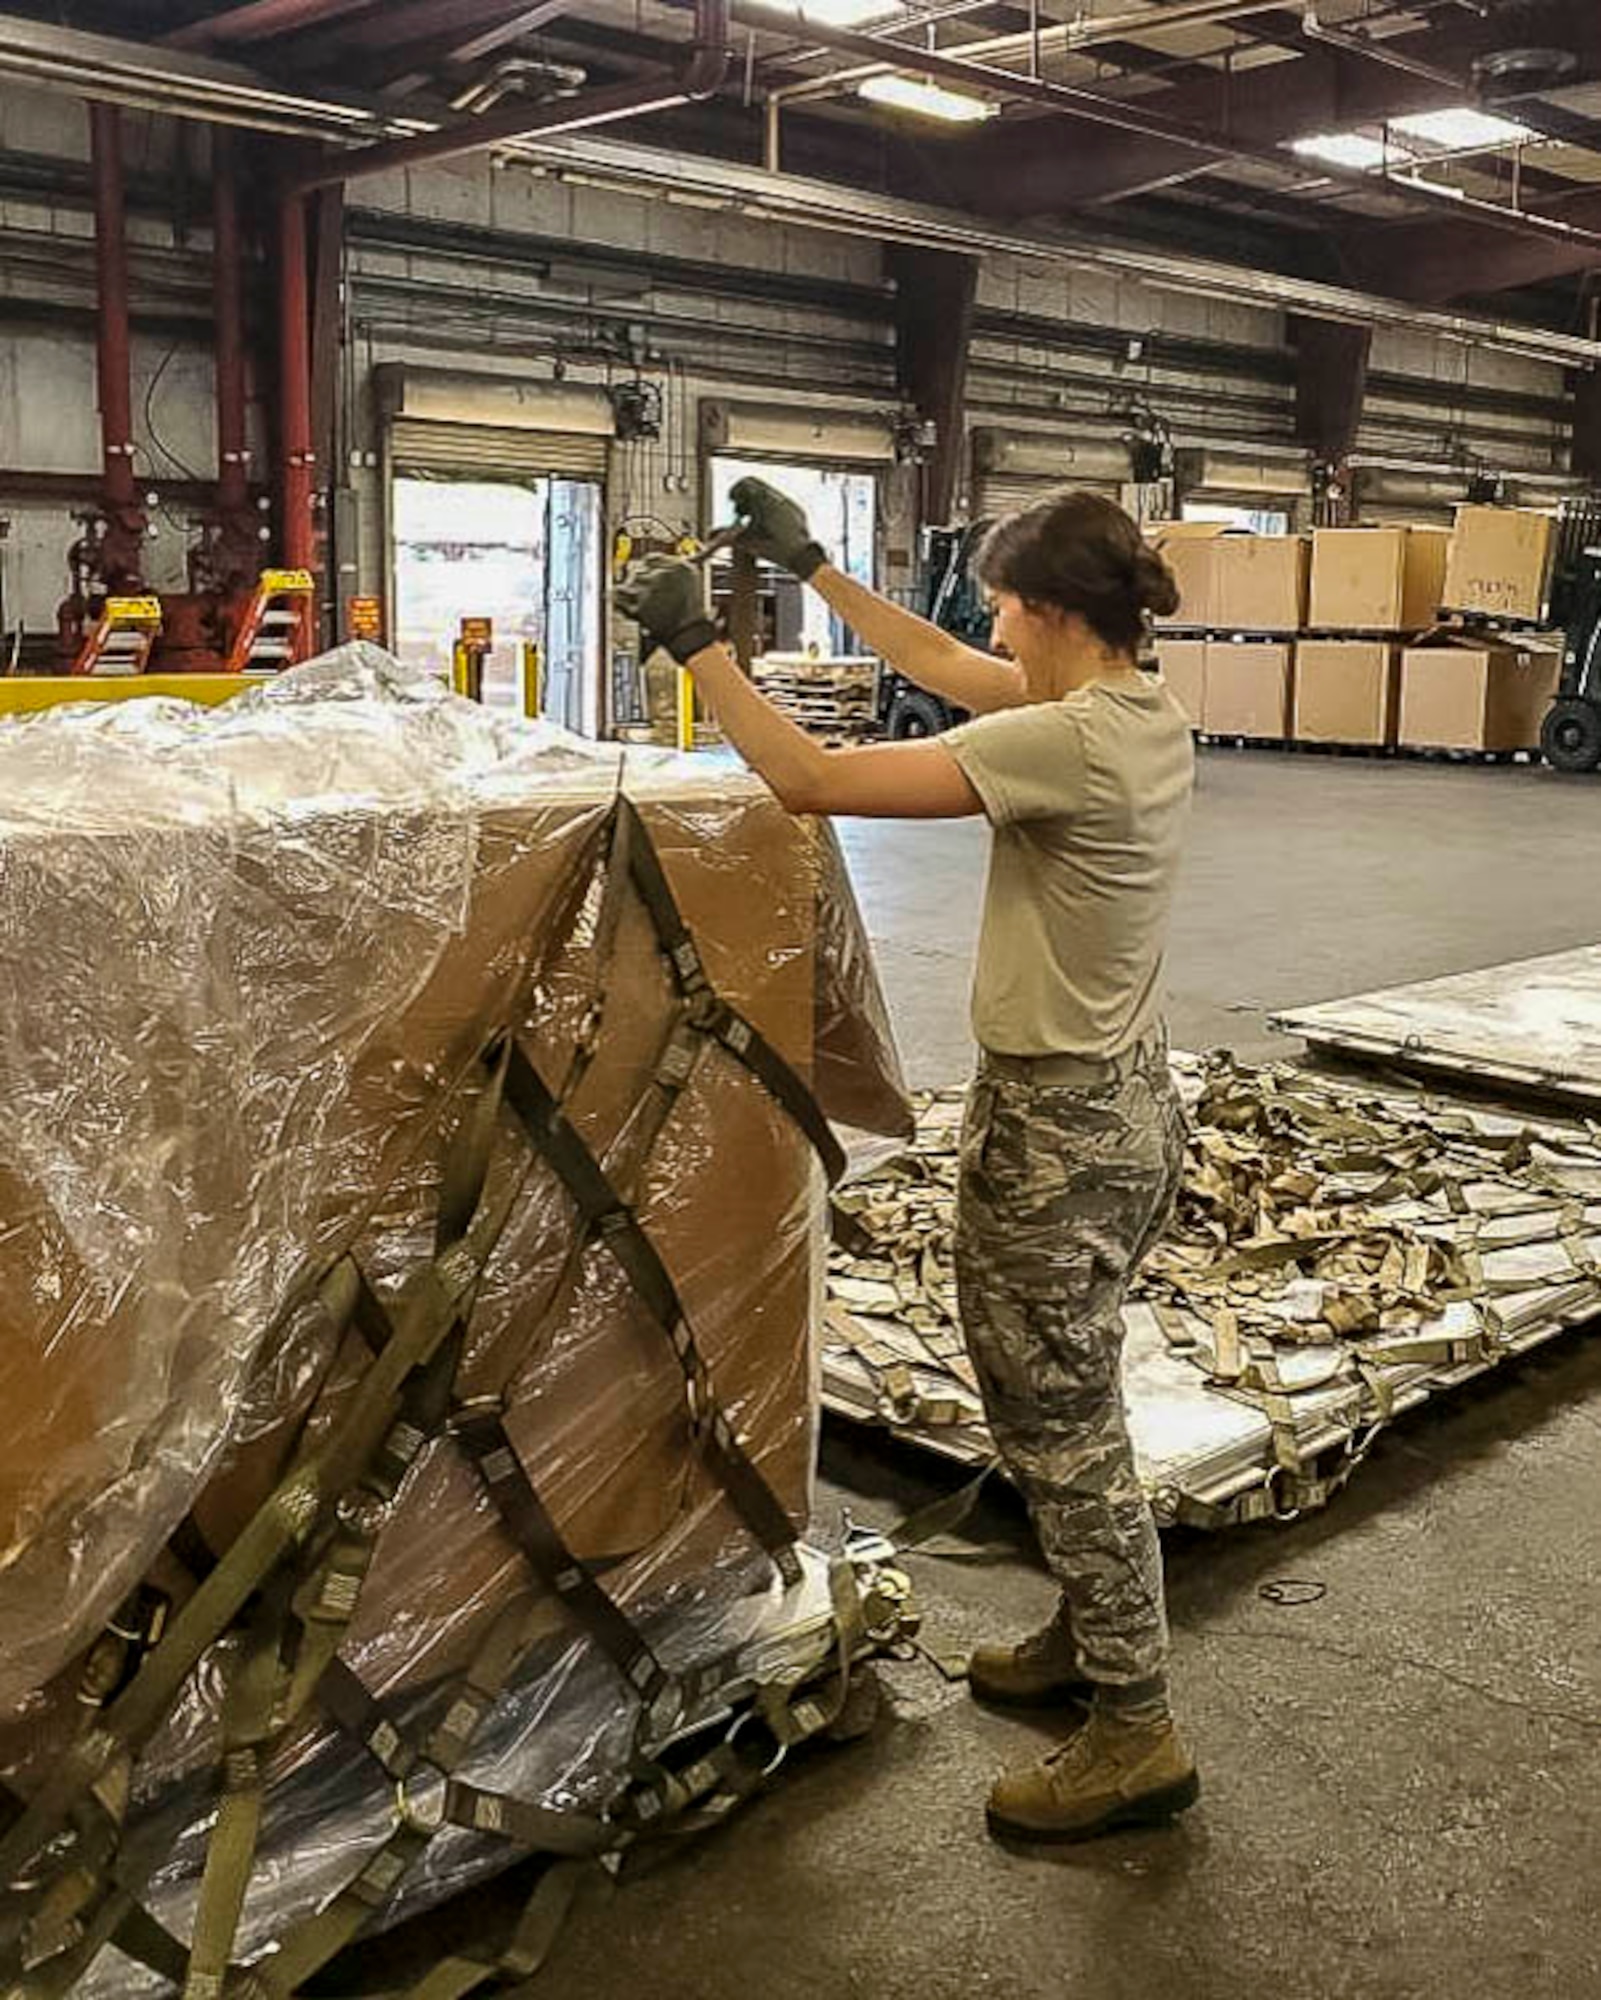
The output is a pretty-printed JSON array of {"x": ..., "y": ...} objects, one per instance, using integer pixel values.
[{"x": 1400, "y": 1777}]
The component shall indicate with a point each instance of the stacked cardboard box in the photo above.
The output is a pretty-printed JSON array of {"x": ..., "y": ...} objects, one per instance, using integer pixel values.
[
  {"x": 1473, "y": 689},
  {"x": 1371, "y": 589},
  {"x": 1499, "y": 563},
  {"x": 1325, "y": 640},
  {"x": 1189, "y": 548},
  {"x": 1242, "y": 597},
  {"x": 1465, "y": 693}
]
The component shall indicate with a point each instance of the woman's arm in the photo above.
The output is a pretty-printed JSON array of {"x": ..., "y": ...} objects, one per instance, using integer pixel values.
[
  {"x": 879, "y": 781},
  {"x": 934, "y": 659},
  {"x": 775, "y": 527}
]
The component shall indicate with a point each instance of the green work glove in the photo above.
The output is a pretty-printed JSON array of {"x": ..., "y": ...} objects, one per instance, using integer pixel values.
[
  {"x": 668, "y": 597},
  {"x": 776, "y": 528}
]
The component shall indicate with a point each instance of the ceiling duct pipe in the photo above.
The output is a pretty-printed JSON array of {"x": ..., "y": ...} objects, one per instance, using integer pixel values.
[
  {"x": 519, "y": 73},
  {"x": 699, "y": 74},
  {"x": 1055, "y": 38}
]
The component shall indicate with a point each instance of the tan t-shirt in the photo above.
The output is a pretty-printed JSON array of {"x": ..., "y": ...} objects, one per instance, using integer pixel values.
[{"x": 1088, "y": 798}]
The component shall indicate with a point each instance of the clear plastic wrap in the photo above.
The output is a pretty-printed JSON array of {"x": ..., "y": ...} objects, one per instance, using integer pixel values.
[{"x": 254, "y": 955}]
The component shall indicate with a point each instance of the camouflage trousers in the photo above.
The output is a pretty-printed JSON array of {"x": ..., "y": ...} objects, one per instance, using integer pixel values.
[{"x": 1064, "y": 1186}]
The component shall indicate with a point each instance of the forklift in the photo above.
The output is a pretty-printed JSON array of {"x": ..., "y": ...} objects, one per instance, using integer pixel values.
[
  {"x": 949, "y": 597},
  {"x": 1570, "y": 738}
]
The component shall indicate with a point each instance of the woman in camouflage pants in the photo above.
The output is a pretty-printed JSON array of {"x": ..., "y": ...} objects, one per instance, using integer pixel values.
[{"x": 1074, "y": 1135}]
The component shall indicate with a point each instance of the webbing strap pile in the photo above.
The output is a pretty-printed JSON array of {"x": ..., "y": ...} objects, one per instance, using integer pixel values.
[
  {"x": 1365, "y": 1209},
  {"x": 1334, "y": 1247},
  {"x": 296, "y": 1572}
]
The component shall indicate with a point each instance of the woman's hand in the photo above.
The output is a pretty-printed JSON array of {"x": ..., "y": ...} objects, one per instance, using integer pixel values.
[
  {"x": 668, "y": 597},
  {"x": 776, "y": 528}
]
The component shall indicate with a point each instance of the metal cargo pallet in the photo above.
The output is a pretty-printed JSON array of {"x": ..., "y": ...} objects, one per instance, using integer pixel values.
[
  {"x": 1531, "y": 1026},
  {"x": 1238, "y": 1409}
]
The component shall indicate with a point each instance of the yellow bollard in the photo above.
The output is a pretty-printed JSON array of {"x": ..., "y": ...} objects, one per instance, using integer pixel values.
[
  {"x": 533, "y": 682},
  {"x": 686, "y": 709}
]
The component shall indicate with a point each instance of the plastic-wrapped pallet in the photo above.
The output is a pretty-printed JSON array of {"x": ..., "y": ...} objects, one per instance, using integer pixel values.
[{"x": 413, "y": 1222}]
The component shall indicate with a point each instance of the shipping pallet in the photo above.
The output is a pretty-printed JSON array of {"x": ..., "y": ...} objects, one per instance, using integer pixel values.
[
  {"x": 1289, "y": 635},
  {"x": 1410, "y": 753},
  {"x": 839, "y": 705},
  {"x": 1491, "y": 624}
]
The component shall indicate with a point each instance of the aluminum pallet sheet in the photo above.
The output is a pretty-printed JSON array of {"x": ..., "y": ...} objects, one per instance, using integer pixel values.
[
  {"x": 1531, "y": 1025},
  {"x": 1461, "y": 1236}
]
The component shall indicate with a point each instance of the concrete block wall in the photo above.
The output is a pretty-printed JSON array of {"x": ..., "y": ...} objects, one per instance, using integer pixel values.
[
  {"x": 491, "y": 305},
  {"x": 1510, "y": 441},
  {"x": 49, "y": 406}
]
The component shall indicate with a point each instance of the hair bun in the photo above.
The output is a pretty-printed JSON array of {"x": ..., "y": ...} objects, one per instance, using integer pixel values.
[{"x": 1155, "y": 586}]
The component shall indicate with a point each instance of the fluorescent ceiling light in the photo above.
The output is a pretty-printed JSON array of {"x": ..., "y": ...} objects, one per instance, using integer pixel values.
[
  {"x": 1462, "y": 129},
  {"x": 928, "y": 100},
  {"x": 1352, "y": 149},
  {"x": 833, "y": 13}
]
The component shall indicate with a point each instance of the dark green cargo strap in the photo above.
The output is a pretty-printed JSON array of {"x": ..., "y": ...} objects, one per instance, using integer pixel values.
[
  {"x": 482, "y": 1435},
  {"x": 373, "y": 1423},
  {"x": 326, "y": 1513},
  {"x": 608, "y": 919},
  {"x": 710, "y": 1013},
  {"x": 254, "y": 1691},
  {"x": 603, "y": 1210}
]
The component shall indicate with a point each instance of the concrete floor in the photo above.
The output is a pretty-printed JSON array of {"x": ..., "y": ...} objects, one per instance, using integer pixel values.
[{"x": 1401, "y": 1778}]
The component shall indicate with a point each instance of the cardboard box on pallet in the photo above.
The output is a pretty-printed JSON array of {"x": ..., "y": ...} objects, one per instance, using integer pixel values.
[
  {"x": 1259, "y": 582},
  {"x": 1183, "y": 665},
  {"x": 1247, "y": 690},
  {"x": 288, "y": 940},
  {"x": 1499, "y": 562},
  {"x": 1347, "y": 691},
  {"x": 1376, "y": 579},
  {"x": 1189, "y": 548},
  {"x": 1476, "y": 696}
]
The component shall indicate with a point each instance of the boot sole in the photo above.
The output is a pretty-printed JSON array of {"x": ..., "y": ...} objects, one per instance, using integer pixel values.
[
  {"x": 1151, "y": 1809},
  {"x": 1070, "y": 1696}
]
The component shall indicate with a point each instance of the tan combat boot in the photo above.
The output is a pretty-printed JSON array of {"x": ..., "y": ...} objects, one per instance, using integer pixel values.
[
  {"x": 1110, "y": 1774},
  {"x": 1040, "y": 1671}
]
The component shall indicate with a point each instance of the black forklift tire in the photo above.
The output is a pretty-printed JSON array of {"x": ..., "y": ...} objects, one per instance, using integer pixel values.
[
  {"x": 1570, "y": 739},
  {"x": 913, "y": 714}
]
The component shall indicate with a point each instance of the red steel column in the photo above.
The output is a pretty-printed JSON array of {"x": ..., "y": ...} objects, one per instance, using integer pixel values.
[
  {"x": 233, "y": 450},
  {"x": 294, "y": 351},
  {"x": 124, "y": 547}
]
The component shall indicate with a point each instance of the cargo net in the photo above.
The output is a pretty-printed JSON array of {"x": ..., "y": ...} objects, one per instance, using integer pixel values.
[
  {"x": 257, "y": 1640},
  {"x": 1340, "y": 1252}
]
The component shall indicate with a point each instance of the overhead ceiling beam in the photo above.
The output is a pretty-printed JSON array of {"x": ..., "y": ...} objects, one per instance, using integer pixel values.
[
  {"x": 1054, "y": 38},
  {"x": 524, "y": 22},
  {"x": 698, "y": 72},
  {"x": 112, "y": 69},
  {"x": 1433, "y": 264},
  {"x": 1097, "y": 109},
  {"x": 766, "y": 196},
  {"x": 416, "y": 69},
  {"x": 408, "y": 29},
  {"x": 260, "y": 20},
  {"x": 1023, "y": 167},
  {"x": 1260, "y": 108}
]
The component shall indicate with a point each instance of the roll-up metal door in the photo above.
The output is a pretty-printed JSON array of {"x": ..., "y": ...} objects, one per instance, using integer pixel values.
[
  {"x": 1268, "y": 481},
  {"x": 492, "y": 426},
  {"x": 493, "y": 451},
  {"x": 1012, "y": 471},
  {"x": 797, "y": 436},
  {"x": 1387, "y": 496}
]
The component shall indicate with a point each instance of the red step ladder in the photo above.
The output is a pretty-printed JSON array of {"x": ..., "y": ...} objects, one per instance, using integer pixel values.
[
  {"x": 275, "y": 631},
  {"x": 121, "y": 639}
]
